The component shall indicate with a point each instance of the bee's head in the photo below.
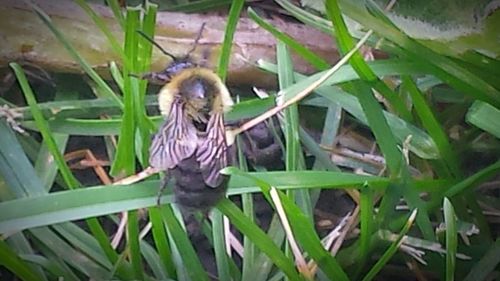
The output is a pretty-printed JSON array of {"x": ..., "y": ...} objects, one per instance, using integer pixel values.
[
  {"x": 197, "y": 92},
  {"x": 176, "y": 66},
  {"x": 179, "y": 65}
]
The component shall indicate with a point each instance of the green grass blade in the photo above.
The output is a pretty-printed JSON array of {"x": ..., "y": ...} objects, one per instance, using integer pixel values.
[
  {"x": 480, "y": 115},
  {"x": 152, "y": 260},
  {"x": 382, "y": 261},
  {"x": 330, "y": 128},
  {"x": 105, "y": 90},
  {"x": 486, "y": 265},
  {"x": 102, "y": 239},
  {"x": 474, "y": 180},
  {"x": 144, "y": 55},
  {"x": 258, "y": 237},
  {"x": 73, "y": 257},
  {"x": 451, "y": 239},
  {"x": 16, "y": 265},
  {"x": 124, "y": 162},
  {"x": 70, "y": 180},
  {"x": 53, "y": 267},
  {"x": 187, "y": 253},
  {"x": 431, "y": 124},
  {"x": 290, "y": 125},
  {"x": 133, "y": 244},
  {"x": 162, "y": 245},
  {"x": 200, "y": 6},
  {"x": 15, "y": 168},
  {"x": 441, "y": 66},
  {"x": 84, "y": 241},
  {"x": 45, "y": 167},
  {"x": 95, "y": 201},
  {"x": 303, "y": 230},
  {"x": 219, "y": 237},
  {"x": 225, "y": 54},
  {"x": 104, "y": 29},
  {"x": 249, "y": 249},
  {"x": 117, "y": 12},
  {"x": 366, "y": 219},
  {"x": 21, "y": 245},
  {"x": 421, "y": 144},
  {"x": 366, "y": 74},
  {"x": 378, "y": 124},
  {"x": 307, "y": 54}
]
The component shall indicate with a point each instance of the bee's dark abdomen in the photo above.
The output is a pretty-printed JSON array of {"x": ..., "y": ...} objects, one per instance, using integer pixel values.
[
  {"x": 261, "y": 148},
  {"x": 190, "y": 189}
]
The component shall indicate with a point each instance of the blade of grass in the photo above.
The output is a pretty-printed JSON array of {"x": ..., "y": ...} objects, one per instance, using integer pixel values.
[
  {"x": 289, "y": 121},
  {"x": 105, "y": 30},
  {"x": 221, "y": 257},
  {"x": 124, "y": 162},
  {"x": 480, "y": 115},
  {"x": 451, "y": 239},
  {"x": 366, "y": 224},
  {"x": 431, "y": 124},
  {"x": 474, "y": 180},
  {"x": 345, "y": 43},
  {"x": 44, "y": 165},
  {"x": 117, "y": 12},
  {"x": 200, "y": 6},
  {"x": 249, "y": 249},
  {"x": 83, "y": 241},
  {"x": 51, "y": 266},
  {"x": 420, "y": 143},
  {"x": 73, "y": 257},
  {"x": 259, "y": 238},
  {"x": 441, "y": 66},
  {"x": 372, "y": 109},
  {"x": 486, "y": 265},
  {"x": 305, "y": 53},
  {"x": 19, "y": 176},
  {"x": 232, "y": 21},
  {"x": 68, "y": 176},
  {"x": 19, "y": 243},
  {"x": 162, "y": 245},
  {"x": 382, "y": 261},
  {"x": 330, "y": 128},
  {"x": 187, "y": 253},
  {"x": 377, "y": 121},
  {"x": 94, "y": 201},
  {"x": 133, "y": 244},
  {"x": 152, "y": 260},
  {"x": 44, "y": 128},
  {"x": 144, "y": 54},
  {"x": 302, "y": 228},
  {"x": 263, "y": 265},
  {"x": 13, "y": 263},
  {"x": 105, "y": 90}
]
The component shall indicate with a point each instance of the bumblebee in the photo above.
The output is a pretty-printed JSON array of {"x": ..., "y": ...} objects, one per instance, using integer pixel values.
[{"x": 191, "y": 144}]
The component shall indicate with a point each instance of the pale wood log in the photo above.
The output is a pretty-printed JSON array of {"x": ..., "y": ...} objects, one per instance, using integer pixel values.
[{"x": 25, "y": 38}]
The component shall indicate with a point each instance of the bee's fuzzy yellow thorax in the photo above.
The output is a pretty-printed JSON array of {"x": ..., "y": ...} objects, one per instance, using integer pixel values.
[{"x": 222, "y": 102}]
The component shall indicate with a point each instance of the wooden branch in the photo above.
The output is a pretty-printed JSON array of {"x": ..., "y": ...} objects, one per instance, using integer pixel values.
[{"x": 26, "y": 38}]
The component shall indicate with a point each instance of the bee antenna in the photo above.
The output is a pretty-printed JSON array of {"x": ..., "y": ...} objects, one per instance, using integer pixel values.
[
  {"x": 156, "y": 44},
  {"x": 198, "y": 37}
]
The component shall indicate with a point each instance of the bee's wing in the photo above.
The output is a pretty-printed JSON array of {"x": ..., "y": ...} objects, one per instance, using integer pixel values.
[
  {"x": 175, "y": 141},
  {"x": 212, "y": 151}
]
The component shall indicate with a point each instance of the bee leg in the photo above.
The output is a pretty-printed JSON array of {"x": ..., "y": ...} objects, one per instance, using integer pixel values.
[
  {"x": 159, "y": 78},
  {"x": 163, "y": 184}
]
